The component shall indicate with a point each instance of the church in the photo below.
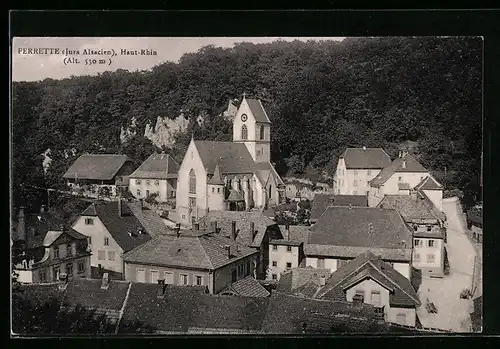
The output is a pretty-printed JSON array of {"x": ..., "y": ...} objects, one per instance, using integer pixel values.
[{"x": 232, "y": 176}]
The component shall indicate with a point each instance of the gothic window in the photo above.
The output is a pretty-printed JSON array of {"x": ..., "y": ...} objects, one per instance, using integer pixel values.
[
  {"x": 244, "y": 132},
  {"x": 192, "y": 182},
  {"x": 262, "y": 132}
]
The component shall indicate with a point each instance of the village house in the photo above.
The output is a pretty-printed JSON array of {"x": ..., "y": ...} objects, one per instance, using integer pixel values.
[
  {"x": 475, "y": 223},
  {"x": 197, "y": 258},
  {"x": 48, "y": 250},
  {"x": 356, "y": 167},
  {"x": 322, "y": 201},
  {"x": 428, "y": 230},
  {"x": 402, "y": 176},
  {"x": 116, "y": 227},
  {"x": 343, "y": 233},
  {"x": 97, "y": 175},
  {"x": 252, "y": 229},
  {"x": 230, "y": 176},
  {"x": 156, "y": 175}
]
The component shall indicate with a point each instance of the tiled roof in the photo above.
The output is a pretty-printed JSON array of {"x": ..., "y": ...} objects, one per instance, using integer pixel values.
[
  {"x": 120, "y": 227},
  {"x": 284, "y": 242},
  {"x": 367, "y": 265},
  {"x": 41, "y": 293},
  {"x": 406, "y": 163},
  {"x": 96, "y": 166},
  {"x": 265, "y": 169},
  {"x": 234, "y": 196},
  {"x": 258, "y": 111},
  {"x": 322, "y": 201},
  {"x": 388, "y": 254},
  {"x": 411, "y": 207},
  {"x": 243, "y": 219},
  {"x": 157, "y": 166},
  {"x": 52, "y": 236},
  {"x": 216, "y": 178},
  {"x": 360, "y": 226},
  {"x": 37, "y": 226},
  {"x": 365, "y": 158},
  {"x": 188, "y": 251},
  {"x": 288, "y": 313},
  {"x": 429, "y": 183},
  {"x": 88, "y": 293},
  {"x": 149, "y": 219},
  {"x": 295, "y": 233},
  {"x": 248, "y": 287},
  {"x": 233, "y": 158}
]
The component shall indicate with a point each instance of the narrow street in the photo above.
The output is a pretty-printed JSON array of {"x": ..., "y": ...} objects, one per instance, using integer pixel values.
[{"x": 453, "y": 312}]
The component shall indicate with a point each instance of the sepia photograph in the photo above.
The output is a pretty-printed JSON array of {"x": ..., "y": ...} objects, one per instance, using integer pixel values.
[{"x": 246, "y": 185}]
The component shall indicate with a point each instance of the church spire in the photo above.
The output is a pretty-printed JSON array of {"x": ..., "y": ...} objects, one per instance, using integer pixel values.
[{"x": 216, "y": 178}]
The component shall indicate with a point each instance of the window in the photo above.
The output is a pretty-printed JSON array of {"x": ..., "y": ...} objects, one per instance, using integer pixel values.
[
  {"x": 138, "y": 192},
  {"x": 400, "y": 178},
  {"x": 199, "y": 280},
  {"x": 275, "y": 264},
  {"x": 69, "y": 250},
  {"x": 270, "y": 191},
  {"x": 147, "y": 182},
  {"x": 55, "y": 272},
  {"x": 360, "y": 293},
  {"x": 259, "y": 152},
  {"x": 81, "y": 267},
  {"x": 416, "y": 257},
  {"x": 429, "y": 228},
  {"x": 169, "y": 278},
  {"x": 415, "y": 227},
  {"x": 417, "y": 243},
  {"x": 89, "y": 221},
  {"x": 192, "y": 182},
  {"x": 106, "y": 241},
  {"x": 248, "y": 268},
  {"x": 101, "y": 255},
  {"x": 275, "y": 247},
  {"x": 69, "y": 269},
  {"x": 184, "y": 279},
  {"x": 262, "y": 134},
  {"x": 157, "y": 182},
  {"x": 355, "y": 183},
  {"x": 321, "y": 263},
  {"x": 147, "y": 193},
  {"x": 401, "y": 318},
  {"x": 192, "y": 202},
  {"x": 141, "y": 275},
  {"x": 218, "y": 190},
  {"x": 138, "y": 181},
  {"x": 430, "y": 258},
  {"x": 275, "y": 277},
  {"x": 375, "y": 298},
  {"x": 244, "y": 132},
  {"x": 431, "y": 243},
  {"x": 289, "y": 249},
  {"x": 288, "y": 265},
  {"x": 90, "y": 240},
  {"x": 111, "y": 255},
  {"x": 43, "y": 275},
  {"x": 213, "y": 190},
  {"x": 56, "y": 252},
  {"x": 155, "y": 274}
]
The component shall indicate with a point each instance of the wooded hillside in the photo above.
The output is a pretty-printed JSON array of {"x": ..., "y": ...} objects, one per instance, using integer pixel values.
[{"x": 320, "y": 96}]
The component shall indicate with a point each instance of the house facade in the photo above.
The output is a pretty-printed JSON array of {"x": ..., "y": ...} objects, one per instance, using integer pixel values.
[
  {"x": 156, "y": 175},
  {"x": 114, "y": 228},
  {"x": 284, "y": 255},
  {"x": 356, "y": 167},
  {"x": 232, "y": 176},
  {"x": 97, "y": 175},
  {"x": 191, "y": 259}
]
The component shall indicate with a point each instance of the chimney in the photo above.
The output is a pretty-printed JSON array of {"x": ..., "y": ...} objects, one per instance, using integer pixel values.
[
  {"x": 228, "y": 248},
  {"x": 233, "y": 230},
  {"x": 252, "y": 230},
  {"x": 197, "y": 226},
  {"x": 105, "y": 281},
  {"x": 62, "y": 227},
  {"x": 161, "y": 288},
  {"x": 21, "y": 225},
  {"x": 142, "y": 204},
  {"x": 120, "y": 207},
  {"x": 43, "y": 209},
  {"x": 178, "y": 229},
  {"x": 322, "y": 281}
]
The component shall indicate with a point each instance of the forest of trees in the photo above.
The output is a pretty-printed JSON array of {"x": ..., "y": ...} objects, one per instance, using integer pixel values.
[{"x": 320, "y": 96}]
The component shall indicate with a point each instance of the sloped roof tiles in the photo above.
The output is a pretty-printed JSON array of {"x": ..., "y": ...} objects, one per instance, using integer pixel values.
[
  {"x": 365, "y": 158},
  {"x": 157, "y": 166},
  {"x": 96, "y": 166}
]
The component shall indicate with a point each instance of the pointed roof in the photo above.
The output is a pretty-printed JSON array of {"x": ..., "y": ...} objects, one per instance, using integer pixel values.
[
  {"x": 406, "y": 163},
  {"x": 247, "y": 287},
  {"x": 216, "y": 178},
  {"x": 429, "y": 183},
  {"x": 234, "y": 196},
  {"x": 257, "y": 110},
  {"x": 157, "y": 166}
]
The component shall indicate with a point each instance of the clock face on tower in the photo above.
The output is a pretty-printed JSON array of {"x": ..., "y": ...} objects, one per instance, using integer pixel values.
[{"x": 244, "y": 117}]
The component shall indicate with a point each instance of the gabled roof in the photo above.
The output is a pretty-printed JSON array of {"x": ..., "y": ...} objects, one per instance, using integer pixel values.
[
  {"x": 295, "y": 233},
  {"x": 258, "y": 111},
  {"x": 365, "y": 158},
  {"x": 243, "y": 219},
  {"x": 233, "y": 158},
  {"x": 429, "y": 183},
  {"x": 296, "y": 278},
  {"x": 96, "y": 166},
  {"x": 405, "y": 163},
  {"x": 52, "y": 236},
  {"x": 360, "y": 226},
  {"x": 157, "y": 166},
  {"x": 37, "y": 226},
  {"x": 367, "y": 265},
  {"x": 411, "y": 207},
  {"x": 234, "y": 196},
  {"x": 247, "y": 287},
  {"x": 322, "y": 201},
  {"x": 188, "y": 251},
  {"x": 122, "y": 227}
]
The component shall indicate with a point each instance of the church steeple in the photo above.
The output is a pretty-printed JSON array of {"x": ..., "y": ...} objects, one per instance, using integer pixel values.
[
  {"x": 216, "y": 192},
  {"x": 216, "y": 178}
]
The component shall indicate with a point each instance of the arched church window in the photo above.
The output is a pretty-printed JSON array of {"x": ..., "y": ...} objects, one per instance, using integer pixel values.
[
  {"x": 244, "y": 132},
  {"x": 270, "y": 190},
  {"x": 192, "y": 182},
  {"x": 262, "y": 132}
]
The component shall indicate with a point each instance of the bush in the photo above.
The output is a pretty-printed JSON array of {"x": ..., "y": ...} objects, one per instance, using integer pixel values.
[
  {"x": 465, "y": 294},
  {"x": 454, "y": 192},
  {"x": 151, "y": 199}
]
